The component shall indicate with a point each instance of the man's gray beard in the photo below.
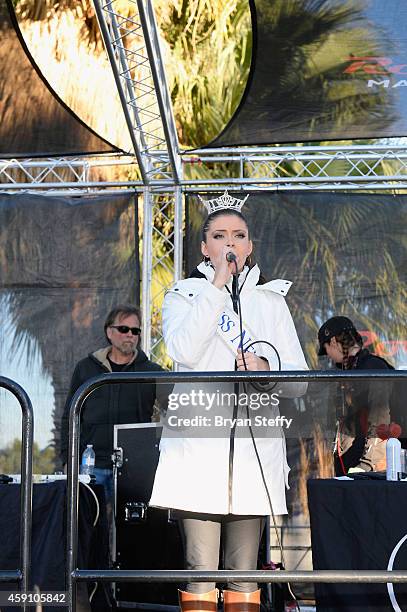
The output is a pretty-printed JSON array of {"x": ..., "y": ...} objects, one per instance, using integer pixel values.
[{"x": 128, "y": 351}]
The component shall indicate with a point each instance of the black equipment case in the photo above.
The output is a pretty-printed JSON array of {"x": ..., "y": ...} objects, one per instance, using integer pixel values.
[{"x": 144, "y": 538}]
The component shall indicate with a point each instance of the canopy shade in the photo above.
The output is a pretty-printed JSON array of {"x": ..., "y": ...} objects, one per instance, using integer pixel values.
[
  {"x": 323, "y": 70},
  {"x": 34, "y": 120}
]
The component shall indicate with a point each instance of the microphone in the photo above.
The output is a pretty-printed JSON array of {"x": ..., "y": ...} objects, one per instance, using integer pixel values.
[{"x": 230, "y": 256}]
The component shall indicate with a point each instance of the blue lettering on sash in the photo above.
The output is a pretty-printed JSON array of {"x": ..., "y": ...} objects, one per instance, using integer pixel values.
[
  {"x": 226, "y": 323},
  {"x": 251, "y": 349},
  {"x": 225, "y": 327}
]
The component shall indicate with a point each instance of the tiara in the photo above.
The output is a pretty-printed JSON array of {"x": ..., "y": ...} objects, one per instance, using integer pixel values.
[{"x": 222, "y": 202}]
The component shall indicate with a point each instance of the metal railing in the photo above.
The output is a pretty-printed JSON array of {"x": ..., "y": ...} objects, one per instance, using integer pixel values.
[
  {"x": 22, "y": 575},
  {"x": 73, "y": 574}
]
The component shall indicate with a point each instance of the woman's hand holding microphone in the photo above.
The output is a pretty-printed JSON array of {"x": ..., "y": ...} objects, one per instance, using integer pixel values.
[
  {"x": 223, "y": 268},
  {"x": 253, "y": 363}
]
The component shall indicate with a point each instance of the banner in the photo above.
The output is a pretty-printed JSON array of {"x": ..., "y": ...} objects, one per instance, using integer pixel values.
[
  {"x": 326, "y": 70},
  {"x": 64, "y": 263}
]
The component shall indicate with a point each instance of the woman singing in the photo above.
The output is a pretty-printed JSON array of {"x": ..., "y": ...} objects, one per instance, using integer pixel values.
[{"x": 226, "y": 479}]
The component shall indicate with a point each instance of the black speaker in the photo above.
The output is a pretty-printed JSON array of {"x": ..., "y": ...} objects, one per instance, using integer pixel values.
[{"x": 144, "y": 538}]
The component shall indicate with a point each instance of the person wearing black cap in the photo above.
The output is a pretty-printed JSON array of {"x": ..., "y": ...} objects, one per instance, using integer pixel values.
[{"x": 365, "y": 404}]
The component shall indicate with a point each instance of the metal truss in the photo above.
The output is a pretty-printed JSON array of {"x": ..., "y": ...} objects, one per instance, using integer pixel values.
[
  {"x": 16, "y": 173},
  {"x": 364, "y": 167},
  {"x": 282, "y": 168},
  {"x": 313, "y": 167},
  {"x": 162, "y": 263},
  {"x": 66, "y": 176},
  {"x": 132, "y": 44}
]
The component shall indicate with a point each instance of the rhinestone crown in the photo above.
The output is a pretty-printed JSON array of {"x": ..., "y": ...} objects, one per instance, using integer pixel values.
[{"x": 222, "y": 202}]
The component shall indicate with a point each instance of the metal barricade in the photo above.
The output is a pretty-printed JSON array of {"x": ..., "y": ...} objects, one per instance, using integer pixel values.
[
  {"x": 73, "y": 574},
  {"x": 22, "y": 575}
]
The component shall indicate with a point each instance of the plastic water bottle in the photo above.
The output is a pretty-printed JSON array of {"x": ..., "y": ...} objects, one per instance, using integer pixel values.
[
  {"x": 88, "y": 460},
  {"x": 393, "y": 464}
]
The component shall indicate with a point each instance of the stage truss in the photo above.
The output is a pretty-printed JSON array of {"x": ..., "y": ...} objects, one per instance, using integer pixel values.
[{"x": 327, "y": 168}]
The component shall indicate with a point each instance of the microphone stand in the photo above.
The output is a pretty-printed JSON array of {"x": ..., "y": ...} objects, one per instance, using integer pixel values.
[
  {"x": 235, "y": 296},
  {"x": 231, "y": 257}
]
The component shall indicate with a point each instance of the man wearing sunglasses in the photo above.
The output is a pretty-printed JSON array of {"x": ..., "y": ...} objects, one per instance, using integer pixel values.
[{"x": 113, "y": 404}]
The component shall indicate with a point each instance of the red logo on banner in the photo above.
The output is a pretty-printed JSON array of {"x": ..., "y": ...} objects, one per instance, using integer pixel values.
[
  {"x": 374, "y": 65},
  {"x": 383, "y": 349}
]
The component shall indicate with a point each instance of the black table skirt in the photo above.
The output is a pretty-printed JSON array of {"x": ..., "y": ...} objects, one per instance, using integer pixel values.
[
  {"x": 357, "y": 525},
  {"x": 49, "y": 533}
]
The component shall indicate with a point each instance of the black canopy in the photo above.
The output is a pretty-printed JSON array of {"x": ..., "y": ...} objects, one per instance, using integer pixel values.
[
  {"x": 34, "y": 120},
  {"x": 323, "y": 70}
]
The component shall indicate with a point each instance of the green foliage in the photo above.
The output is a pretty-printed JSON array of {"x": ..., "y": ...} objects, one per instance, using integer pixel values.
[
  {"x": 36, "y": 10},
  {"x": 207, "y": 54},
  {"x": 208, "y": 60},
  {"x": 10, "y": 459}
]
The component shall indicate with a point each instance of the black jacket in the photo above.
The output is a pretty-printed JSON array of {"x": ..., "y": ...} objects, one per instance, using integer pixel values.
[
  {"x": 367, "y": 405},
  {"x": 369, "y": 395},
  {"x": 110, "y": 404}
]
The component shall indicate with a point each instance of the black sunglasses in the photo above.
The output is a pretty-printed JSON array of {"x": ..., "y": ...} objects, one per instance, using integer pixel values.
[{"x": 124, "y": 329}]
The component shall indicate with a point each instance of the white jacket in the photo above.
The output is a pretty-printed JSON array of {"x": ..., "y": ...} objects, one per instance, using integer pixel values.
[{"x": 197, "y": 470}]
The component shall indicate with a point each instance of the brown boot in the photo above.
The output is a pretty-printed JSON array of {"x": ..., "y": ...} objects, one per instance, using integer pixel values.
[
  {"x": 241, "y": 602},
  {"x": 198, "y": 602}
]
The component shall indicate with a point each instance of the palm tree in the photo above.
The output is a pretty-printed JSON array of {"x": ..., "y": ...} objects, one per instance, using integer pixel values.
[{"x": 201, "y": 42}]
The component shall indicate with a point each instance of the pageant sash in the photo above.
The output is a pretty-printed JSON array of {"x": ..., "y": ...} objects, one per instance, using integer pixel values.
[{"x": 229, "y": 330}]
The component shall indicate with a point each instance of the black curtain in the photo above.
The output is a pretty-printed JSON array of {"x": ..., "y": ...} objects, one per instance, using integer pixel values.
[
  {"x": 64, "y": 263},
  {"x": 345, "y": 253}
]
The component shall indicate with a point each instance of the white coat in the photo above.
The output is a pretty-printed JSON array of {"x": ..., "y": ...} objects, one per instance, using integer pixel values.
[{"x": 196, "y": 472}]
